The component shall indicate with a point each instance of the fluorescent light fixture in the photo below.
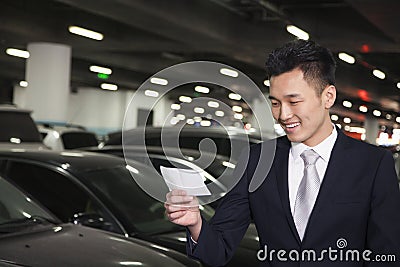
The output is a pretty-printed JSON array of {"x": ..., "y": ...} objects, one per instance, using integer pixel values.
[
  {"x": 15, "y": 140},
  {"x": 388, "y": 116},
  {"x": 347, "y": 104},
  {"x": 86, "y": 33},
  {"x": 237, "y": 108},
  {"x": 228, "y": 164},
  {"x": 109, "y": 86},
  {"x": 23, "y": 83},
  {"x": 357, "y": 130},
  {"x": 197, "y": 119},
  {"x": 234, "y": 96},
  {"x": 174, "y": 120},
  {"x": 213, "y": 104},
  {"x": 379, "y": 74},
  {"x": 299, "y": 33},
  {"x": 334, "y": 117},
  {"x": 17, "y": 52},
  {"x": 205, "y": 123},
  {"x": 190, "y": 121},
  {"x": 398, "y": 119},
  {"x": 238, "y": 116},
  {"x": 175, "y": 106},
  {"x": 219, "y": 113},
  {"x": 185, "y": 99},
  {"x": 266, "y": 83},
  {"x": 347, "y": 58},
  {"x": 363, "y": 108},
  {"x": 202, "y": 89},
  {"x": 377, "y": 113},
  {"x": 99, "y": 69},
  {"x": 131, "y": 263},
  {"x": 398, "y": 85},
  {"x": 346, "y": 120},
  {"x": 131, "y": 169},
  {"x": 347, "y": 128},
  {"x": 198, "y": 110},
  {"x": 229, "y": 72},
  {"x": 151, "y": 93},
  {"x": 180, "y": 117},
  {"x": 159, "y": 81}
]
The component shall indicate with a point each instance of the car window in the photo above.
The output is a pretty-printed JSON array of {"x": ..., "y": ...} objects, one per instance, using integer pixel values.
[
  {"x": 72, "y": 140},
  {"x": 55, "y": 191},
  {"x": 18, "y": 125}
]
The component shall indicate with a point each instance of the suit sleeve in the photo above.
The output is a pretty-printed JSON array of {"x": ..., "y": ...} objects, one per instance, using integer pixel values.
[
  {"x": 384, "y": 221},
  {"x": 220, "y": 236}
]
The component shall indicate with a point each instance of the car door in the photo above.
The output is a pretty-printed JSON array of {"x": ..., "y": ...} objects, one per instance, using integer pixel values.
[{"x": 55, "y": 189}]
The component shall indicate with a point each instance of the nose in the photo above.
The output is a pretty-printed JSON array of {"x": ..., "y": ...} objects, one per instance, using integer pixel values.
[{"x": 285, "y": 112}]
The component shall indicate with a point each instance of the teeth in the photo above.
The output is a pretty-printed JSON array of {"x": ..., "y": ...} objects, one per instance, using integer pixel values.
[{"x": 292, "y": 125}]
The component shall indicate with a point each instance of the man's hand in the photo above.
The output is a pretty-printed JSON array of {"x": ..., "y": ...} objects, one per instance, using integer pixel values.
[{"x": 184, "y": 210}]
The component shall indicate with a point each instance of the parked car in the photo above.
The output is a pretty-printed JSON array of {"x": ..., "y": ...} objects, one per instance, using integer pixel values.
[
  {"x": 98, "y": 190},
  {"x": 31, "y": 236},
  {"x": 225, "y": 139},
  {"x": 66, "y": 136},
  {"x": 18, "y": 129}
]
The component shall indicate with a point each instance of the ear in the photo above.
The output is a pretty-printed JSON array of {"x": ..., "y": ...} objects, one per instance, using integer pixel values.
[{"x": 329, "y": 96}]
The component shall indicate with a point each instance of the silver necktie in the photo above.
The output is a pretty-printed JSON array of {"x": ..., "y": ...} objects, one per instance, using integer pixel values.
[{"x": 307, "y": 192}]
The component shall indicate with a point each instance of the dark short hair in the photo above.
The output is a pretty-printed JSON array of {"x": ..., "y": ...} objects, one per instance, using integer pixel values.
[{"x": 316, "y": 62}]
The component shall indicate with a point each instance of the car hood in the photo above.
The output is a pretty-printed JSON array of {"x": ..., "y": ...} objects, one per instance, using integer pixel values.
[
  {"x": 73, "y": 245},
  {"x": 245, "y": 255}
]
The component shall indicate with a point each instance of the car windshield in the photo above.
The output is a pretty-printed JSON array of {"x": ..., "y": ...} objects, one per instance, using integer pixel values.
[
  {"x": 17, "y": 208},
  {"x": 139, "y": 212}
]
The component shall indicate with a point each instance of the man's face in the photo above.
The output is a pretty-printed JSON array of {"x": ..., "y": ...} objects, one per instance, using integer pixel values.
[{"x": 299, "y": 110}]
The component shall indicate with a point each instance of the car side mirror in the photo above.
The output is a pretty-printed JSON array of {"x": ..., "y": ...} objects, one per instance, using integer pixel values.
[{"x": 93, "y": 220}]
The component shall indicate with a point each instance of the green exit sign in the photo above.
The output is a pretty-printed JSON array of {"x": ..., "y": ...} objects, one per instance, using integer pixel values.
[{"x": 102, "y": 76}]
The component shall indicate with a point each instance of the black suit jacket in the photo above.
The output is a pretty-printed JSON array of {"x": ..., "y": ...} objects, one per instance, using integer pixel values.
[{"x": 357, "y": 208}]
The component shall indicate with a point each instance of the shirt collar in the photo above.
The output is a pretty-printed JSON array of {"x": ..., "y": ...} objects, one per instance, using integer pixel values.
[{"x": 323, "y": 149}]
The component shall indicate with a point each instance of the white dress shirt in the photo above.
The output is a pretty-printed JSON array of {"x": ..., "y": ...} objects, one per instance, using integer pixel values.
[{"x": 296, "y": 164}]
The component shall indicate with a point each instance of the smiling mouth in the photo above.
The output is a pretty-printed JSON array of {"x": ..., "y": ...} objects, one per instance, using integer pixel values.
[{"x": 290, "y": 126}]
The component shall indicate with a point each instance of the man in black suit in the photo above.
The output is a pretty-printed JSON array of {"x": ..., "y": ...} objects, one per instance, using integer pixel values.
[{"x": 328, "y": 200}]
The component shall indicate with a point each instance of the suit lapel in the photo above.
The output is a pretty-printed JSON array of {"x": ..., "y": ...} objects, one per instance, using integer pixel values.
[{"x": 281, "y": 171}]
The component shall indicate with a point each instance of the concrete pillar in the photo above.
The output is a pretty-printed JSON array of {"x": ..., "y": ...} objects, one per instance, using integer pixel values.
[
  {"x": 48, "y": 72},
  {"x": 371, "y": 126}
]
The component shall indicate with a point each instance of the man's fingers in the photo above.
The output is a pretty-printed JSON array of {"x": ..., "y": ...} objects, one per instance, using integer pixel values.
[{"x": 176, "y": 215}]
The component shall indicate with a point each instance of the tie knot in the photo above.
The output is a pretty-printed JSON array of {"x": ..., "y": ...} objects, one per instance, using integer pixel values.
[{"x": 309, "y": 157}]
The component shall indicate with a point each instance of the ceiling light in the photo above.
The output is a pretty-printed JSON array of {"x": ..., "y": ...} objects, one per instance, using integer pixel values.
[
  {"x": 109, "y": 86},
  {"x": 86, "y": 33},
  {"x": 299, "y": 33},
  {"x": 174, "y": 120},
  {"x": 347, "y": 128},
  {"x": 219, "y": 113},
  {"x": 363, "y": 108},
  {"x": 197, "y": 119},
  {"x": 398, "y": 85},
  {"x": 151, "y": 93},
  {"x": 202, "y": 89},
  {"x": 334, "y": 117},
  {"x": 99, "y": 69},
  {"x": 238, "y": 116},
  {"x": 346, "y": 120},
  {"x": 347, "y": 58},
  {"x": 388, "y": 116},
  {"x": 379, "y": 74},
  {"x": 398, "y": 119},
  {"x": 198, "y": 110},
  {"x": 213, "y": 104},
  {"x": 159, "y": 81},
  {"x": 376, "y": 113},
  {"x": 205, "y": 123},
  {"x": 237, "y": 108},
  {"x": 23, "y": 83},
  {"x": 190, "y": 121},
  {"x": 229, "y": 72},
  {"x": 185, "y": 99},
  {"x": 175, "y": 106},
  {"x": 234, "y": 96},
  {"x": 266, "y": 83},
  {"x": 17, "y": 52},
  {"x": 347, "y": 104},
  {"x": 180, "y": 117}
]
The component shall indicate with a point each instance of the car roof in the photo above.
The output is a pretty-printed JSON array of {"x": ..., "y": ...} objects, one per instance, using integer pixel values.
[{"x": 79, "y": 160}]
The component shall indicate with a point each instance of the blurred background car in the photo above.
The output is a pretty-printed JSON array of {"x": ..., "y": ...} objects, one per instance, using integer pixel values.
[
  {"x": 31, "y": 236},
  {"x": 99, "y": 191},
  {"x": 66, "y": 136}
]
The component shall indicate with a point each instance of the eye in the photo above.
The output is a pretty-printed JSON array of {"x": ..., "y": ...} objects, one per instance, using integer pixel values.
[
  {"x": 275, "y": 104},
  {"x": 293, "y": 103}
]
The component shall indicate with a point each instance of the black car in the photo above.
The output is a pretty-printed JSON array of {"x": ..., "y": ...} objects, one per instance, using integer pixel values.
[
  {"x": 31, "y": 236},
  {"x": 99, "y": 191}
]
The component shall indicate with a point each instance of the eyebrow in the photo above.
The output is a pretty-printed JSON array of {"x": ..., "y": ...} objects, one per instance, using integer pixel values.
[{"x": 286, "y": 96}]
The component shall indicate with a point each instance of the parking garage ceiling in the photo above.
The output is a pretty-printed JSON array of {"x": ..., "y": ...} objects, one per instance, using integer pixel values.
[{"x": 142, "y": 37}]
